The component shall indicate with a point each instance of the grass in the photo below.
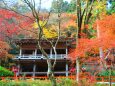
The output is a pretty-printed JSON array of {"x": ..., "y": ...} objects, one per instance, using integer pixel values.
[
  {"x": 60, "y": 82},
  {"x": 28, "y": 82}
]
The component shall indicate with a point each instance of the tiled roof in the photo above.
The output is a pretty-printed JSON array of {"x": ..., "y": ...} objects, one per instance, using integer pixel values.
[{"x": 21, "y": 41}]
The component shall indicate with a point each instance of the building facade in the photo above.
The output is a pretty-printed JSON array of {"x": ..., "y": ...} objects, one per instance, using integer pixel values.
[{"x": 31, "y": 61}]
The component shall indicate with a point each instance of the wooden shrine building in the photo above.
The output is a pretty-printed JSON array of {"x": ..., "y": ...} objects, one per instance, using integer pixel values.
[{"x": 31, "y": 62}]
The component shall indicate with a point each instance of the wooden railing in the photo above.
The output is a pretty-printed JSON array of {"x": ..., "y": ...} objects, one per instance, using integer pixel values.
[
  {"x": 105, "y": 78},
  {"x": 56, "y": 72},
  {"x": 39, "y": 56},
  {"x": 97, "y": 78}
]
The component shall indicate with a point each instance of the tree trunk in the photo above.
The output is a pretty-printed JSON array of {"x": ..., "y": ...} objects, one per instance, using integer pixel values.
[
  {"x": 102, "y": 64},
  {"x": 50, "y": 73},
  {"x": 0, "y": 62},
  {"x": 77, "y": 70},
  {"x": 110, "y": 70}
]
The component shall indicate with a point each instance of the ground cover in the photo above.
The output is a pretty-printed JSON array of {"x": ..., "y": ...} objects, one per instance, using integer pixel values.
[
  {"x": 5, "y": 72},
  {"x": 60, "y": 82}
]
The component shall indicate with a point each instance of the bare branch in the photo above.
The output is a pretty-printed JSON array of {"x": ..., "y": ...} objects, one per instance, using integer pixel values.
[{"x": 10, "y": 9}]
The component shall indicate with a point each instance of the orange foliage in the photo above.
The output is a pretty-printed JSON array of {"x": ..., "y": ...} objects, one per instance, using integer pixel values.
[
  {"x": 68, "y": 20},
  {"x": 13, "y": 24},
  {"x": 106, "y": 32},
  {"x": 70, "y": 16},
  {"x": 80, "y": 49},
  {"x": 105, "y": 39},
  {"x": 86, "y": 26},
  {"x": 4, "y": 47},
  {"x": 69, "y": 23}
]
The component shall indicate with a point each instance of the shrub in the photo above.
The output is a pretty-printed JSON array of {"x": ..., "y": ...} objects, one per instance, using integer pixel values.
[
  {"x": 5, "y": 72},
  {"x": 106, "y": 73},
  {"x": 62, "y": 82}
]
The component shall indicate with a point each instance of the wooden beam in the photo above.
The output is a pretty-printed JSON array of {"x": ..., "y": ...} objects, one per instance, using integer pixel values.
[
  {"x": 67, "y": 69},
  {"x": 34, "y": 69}
]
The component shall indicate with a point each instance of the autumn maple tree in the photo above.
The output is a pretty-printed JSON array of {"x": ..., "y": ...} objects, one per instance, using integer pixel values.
[
  {"x": 12, "y": 25},
  {"x": 87, "y": 12},
  {"x": 4, "y": 47},
  {"x": 104, "y": 39}
]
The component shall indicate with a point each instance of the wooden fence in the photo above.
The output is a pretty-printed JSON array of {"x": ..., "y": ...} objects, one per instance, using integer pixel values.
[{"x": 97, "y": 78}]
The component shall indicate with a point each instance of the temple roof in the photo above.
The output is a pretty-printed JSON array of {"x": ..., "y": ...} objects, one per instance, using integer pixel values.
[{"x": 34, "y": 41}]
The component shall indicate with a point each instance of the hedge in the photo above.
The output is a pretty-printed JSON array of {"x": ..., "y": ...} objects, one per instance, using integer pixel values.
[
  {"x": 106, "y": 73},
  {"x": 5, "y": 72}
]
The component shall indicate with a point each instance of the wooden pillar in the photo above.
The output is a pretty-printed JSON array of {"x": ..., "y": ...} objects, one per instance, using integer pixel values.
[
  {"x": 18, "y": 69},
  {"x": 66, "y": 69},
  {"x": 34, "y": 70},
  {"x": 51, "y": 53},
  {"x": 20, "y": 53},
  {"x": 66, "y": 52},
  {"x": 42, "y": 56}
]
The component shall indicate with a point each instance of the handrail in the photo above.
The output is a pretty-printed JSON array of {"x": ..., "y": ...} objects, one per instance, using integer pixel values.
[{"x": 39, "y": 56}]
